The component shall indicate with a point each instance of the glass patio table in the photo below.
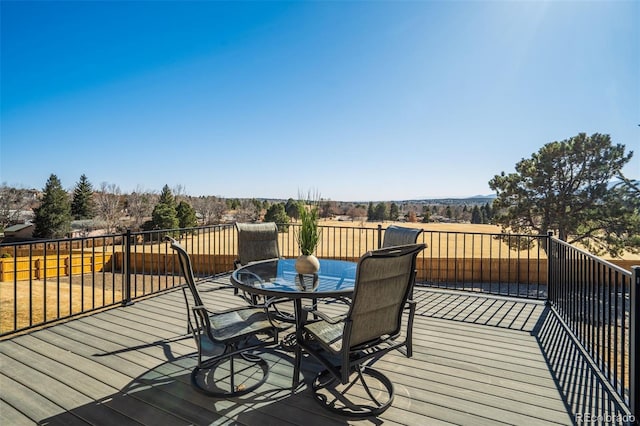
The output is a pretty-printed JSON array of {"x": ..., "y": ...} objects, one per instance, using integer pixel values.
[{"x": 278, "y": 278}]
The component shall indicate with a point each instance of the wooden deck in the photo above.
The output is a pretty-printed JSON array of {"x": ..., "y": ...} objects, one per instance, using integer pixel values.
[{"x": 477, "y": 360}]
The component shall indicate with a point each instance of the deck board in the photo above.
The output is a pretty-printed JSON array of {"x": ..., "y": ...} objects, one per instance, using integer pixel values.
[{"x": 477, "y": 360}]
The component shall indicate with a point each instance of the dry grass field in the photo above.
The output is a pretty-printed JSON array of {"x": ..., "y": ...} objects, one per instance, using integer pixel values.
[
  {"x": 456, "y": 228},
  {"x": 39, "y": 301}
]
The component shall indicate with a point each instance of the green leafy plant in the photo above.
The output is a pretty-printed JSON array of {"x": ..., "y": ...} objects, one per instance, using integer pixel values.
[{"x": 308, "y": 234}]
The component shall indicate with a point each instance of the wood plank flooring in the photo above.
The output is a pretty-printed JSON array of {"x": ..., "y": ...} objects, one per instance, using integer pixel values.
[{"x": 477, "y": 360}]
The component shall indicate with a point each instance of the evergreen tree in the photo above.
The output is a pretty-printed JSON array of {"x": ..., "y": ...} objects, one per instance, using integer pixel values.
[
  {"x": 380, "y": 212},
  {"x": 487, "y": 213},
  {"x": 394, "y": 212},
  {"x": 566, "y": 188},
  {"x": 426, "y": 216},
  {"x": 476, "y": 215},
  {"x": 276, "y": 213},
  {"x": 83, "y": 205},
  {"x": 53, "y": 217},
  {"x": 164, "y": 215},
  {"x": 186, "y": 215},
  {"x": 292, "y": 208},
  {"x": 370, "y": 212}
]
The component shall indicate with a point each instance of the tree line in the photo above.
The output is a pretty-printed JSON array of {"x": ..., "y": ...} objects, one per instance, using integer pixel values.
[{"x": 574, "y": 188}]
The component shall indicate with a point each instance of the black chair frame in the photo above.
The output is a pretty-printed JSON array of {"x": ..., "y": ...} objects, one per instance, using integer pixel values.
[{"x": 241, "y": 341}]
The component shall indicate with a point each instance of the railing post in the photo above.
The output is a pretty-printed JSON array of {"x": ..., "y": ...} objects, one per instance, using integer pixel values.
[
  {"x": 126, "y": 264},
  {"x": 634, "y": 329},
  {"x": 379, "y": 235},
  {"x": 549, "y": 268}
]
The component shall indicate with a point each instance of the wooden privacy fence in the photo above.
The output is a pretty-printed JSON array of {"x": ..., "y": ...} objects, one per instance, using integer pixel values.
[
  {"x": 429, "y": 269},
  {"x": 167, "y": 263},
  {"x": 40, "y": 267},
  {"x": 482, "y": 270}
]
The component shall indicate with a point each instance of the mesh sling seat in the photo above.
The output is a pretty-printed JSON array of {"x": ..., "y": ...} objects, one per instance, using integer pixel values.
[
  {"x": 400, "y": 236},
  {"x": 224, "y": 339},
  {"x": 348, "y": 345}
]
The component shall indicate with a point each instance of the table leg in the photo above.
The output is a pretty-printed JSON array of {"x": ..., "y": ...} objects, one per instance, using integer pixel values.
[{"x": 298, "y": 351}]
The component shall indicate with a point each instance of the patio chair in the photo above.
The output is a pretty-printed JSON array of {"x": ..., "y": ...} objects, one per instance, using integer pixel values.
[
  {"x": 225, "y": 338},
  {"x": 256, "y": 242},
  {"x": 348, "y": 345},
  {"x": 399, "y": 236}
]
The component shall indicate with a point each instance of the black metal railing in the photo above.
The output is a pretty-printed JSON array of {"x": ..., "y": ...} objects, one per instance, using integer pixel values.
[
  {"x": 599, "y": 302},
  {"x": 48, "y": 280},
  {"x": 485, "y": 262},
  {"x": 45, "y": 281}
]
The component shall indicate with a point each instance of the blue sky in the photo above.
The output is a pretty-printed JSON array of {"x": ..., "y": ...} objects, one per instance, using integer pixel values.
[{"x": 355, "y": 100}]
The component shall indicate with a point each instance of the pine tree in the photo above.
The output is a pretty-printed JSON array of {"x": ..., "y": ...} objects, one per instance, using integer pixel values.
[
  {"x": 487, "y": 213},
  {"x": 277, "y": 213},
  {"x": 380, "y": 212},
  {"x": 83, "y": 205},
  {"x": 186, "y": 215},
  {"x": 53, "y": 217},
  {"x": 164, "y": 215},
  {"x": 476, "y": 216},
  {"x": 566, "y": 188},
  {"x": 370, "y": 212},
  {"x": 292, "y": 209},
  {"x": 394, "y": 211}
]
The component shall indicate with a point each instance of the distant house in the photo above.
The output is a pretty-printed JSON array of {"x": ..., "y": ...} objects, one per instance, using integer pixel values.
[{"x": 19, "y": 231}]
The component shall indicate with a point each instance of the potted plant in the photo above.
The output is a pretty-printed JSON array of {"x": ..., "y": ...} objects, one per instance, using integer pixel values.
[{"x": 308, "y": 236}]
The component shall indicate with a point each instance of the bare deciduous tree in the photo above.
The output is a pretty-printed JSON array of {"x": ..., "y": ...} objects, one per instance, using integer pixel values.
[
  {"x": 12, "y": 202},
  {"x": 247, "y": 212},
  {"x": 139, "y": 205},
  {"x": 357, "y": 213},
  {"x": 108, "y": 205},
  {"x": 211, "y": 209},
  {"x": 179, "y": 193}
]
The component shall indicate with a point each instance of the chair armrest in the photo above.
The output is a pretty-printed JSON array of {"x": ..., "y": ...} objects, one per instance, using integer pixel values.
[{"x": 323, "y": 316}]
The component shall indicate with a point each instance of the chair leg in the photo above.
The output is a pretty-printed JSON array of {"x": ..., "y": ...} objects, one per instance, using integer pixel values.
[
  {"x": 296, "y": 368},
  {"x": 203, "y": 377},
  {"x": 333, "y": 395}
]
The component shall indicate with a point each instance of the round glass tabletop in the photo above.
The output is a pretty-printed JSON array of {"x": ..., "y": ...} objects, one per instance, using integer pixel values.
[{"x": 278, "y": 277}]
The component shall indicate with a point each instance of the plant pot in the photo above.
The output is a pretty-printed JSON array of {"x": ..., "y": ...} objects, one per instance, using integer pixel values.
[{"x": 307, "y": 264}]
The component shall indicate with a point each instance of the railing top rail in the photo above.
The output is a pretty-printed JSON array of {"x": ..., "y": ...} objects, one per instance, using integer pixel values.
[
  {"x": 193, "y": 228},
  {"x": 65, "y": 240},
  {"x": 438, "y": 231},
  {"x": 592, "y": 257}
]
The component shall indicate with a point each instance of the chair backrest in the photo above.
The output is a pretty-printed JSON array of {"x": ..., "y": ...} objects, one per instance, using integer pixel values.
[
  {"x": 400, "y": 236},
  {"x": 383, "y": 282},
  {"x": 196, "y": 300},
  {"x": 257, "y": 241}
]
